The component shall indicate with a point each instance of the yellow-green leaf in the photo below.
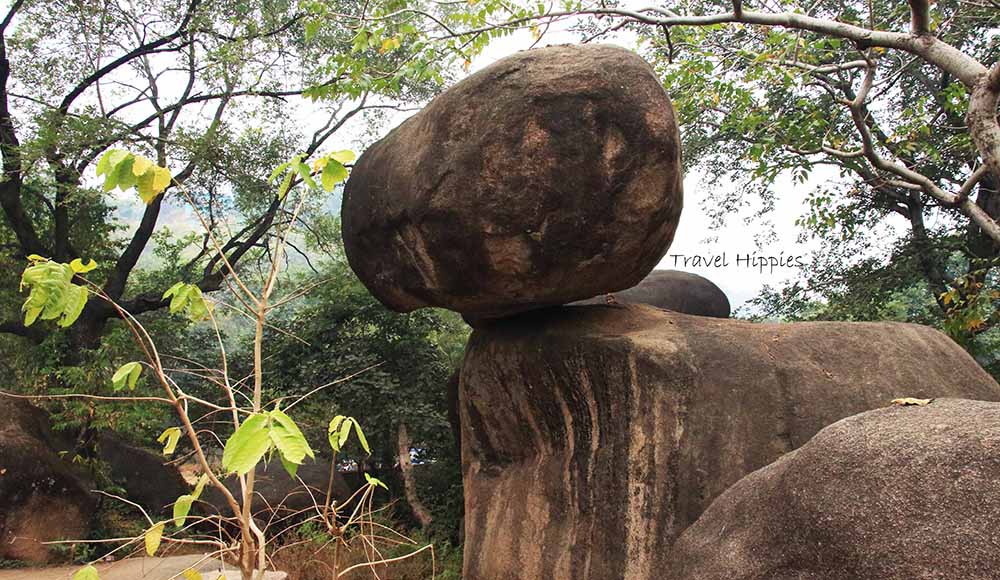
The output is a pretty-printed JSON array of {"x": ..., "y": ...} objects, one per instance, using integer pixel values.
[
  {"x": 140, "y": 165},
  {"x": 200, "y": 486},
  {"x": 87, "y": 573},
  {"x": 76, "y": 299},
  {"x": 191, "y": 574},
  {"x": 129, "y": 371},
  {"x": 182, "y": 507},
  {"x": 333, "y": 173},
  {"x": 288, "y": 439},
  {"x": 161, "y": 179},
  {"x": 361, "y": 438},
  {"x": 153, "y": 537},
  {"x": 344, "y": 156},
  {"x": 80, "y": 268},
  {"x": 171, "y": 436}
]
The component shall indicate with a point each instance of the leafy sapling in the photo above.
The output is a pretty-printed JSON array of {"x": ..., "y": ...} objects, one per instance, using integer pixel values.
[{"x": 60, "y": 292}]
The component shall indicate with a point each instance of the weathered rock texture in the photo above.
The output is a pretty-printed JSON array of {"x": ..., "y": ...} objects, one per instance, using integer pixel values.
[
  {"x": 675, "y": 290},
  {"x": 41, "y": 499},
  {"x": 592, "y": 436},
  {"x": 147, "y": 480},
  {"x": 548, "y": 177},
  {"x": 276, "y": 493},
  {"x": 893, "y": 494}
]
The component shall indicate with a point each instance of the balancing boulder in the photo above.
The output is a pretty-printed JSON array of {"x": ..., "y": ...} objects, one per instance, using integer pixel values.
[
  {"x": 893, "y": 494},
  {"x": 551, "y": 176},
  {"x": 593, "y": 436},
  {"x": 675, "y": 290}
]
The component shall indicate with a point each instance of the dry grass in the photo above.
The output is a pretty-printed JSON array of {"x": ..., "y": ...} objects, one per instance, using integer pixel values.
[{"x": 312, "y": 560}]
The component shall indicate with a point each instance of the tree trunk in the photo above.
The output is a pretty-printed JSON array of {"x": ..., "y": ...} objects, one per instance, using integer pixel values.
[{"x": 409, "y": 483}]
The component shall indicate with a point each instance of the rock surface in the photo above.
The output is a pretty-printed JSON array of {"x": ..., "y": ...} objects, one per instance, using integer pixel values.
[
  {"x": 892, "y": 494},
  {"x": 550, "y": 176},
  {"x": 592, "y": 436},
  {"x": 147, "y": 480},
  {"x": 675, "y": 290},
  {"x": 276, "y": 492},
  {"x": 41, "y": 498}
]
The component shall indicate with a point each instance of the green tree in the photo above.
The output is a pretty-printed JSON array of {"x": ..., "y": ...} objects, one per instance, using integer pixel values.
[
  {"x": 389, "y": 368},
  {"x": 200, "y": 86}
]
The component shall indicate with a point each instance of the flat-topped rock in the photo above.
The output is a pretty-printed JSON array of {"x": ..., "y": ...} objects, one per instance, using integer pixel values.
[
  {"x": 550, "y": 176},
  {"x": 593, "y": 436}
]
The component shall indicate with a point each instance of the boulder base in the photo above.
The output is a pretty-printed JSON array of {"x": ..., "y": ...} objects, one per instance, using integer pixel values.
[
  {"x": 892, "y": 494},
  {"x": 592, "y": 436},
  {"x": 41, "y": 499},
  {"x": 551, "y": 176}
]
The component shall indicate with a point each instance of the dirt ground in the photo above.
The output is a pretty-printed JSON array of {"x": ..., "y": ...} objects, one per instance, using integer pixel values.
[{"x": 169, "y": 568}]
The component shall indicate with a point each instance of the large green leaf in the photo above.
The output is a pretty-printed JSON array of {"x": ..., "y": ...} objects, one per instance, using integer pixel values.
[
  {"x": 247, "y": 446},
  {"x": 288, "y": 439}
]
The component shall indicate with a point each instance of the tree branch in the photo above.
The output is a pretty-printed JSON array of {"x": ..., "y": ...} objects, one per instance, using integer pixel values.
[{"x": 919, "y": 16}]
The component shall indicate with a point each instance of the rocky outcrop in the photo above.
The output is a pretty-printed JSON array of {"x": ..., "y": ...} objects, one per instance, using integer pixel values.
[
  {"x": 144, "y": 475},
  {"x": 276, "y": 493},
  {"x": 593, "y": 435},
  {"x": 675, "y": 290},
  {"x": 41, "y": 498},
  {"x": 551, "y": 176},
  {"x": 893, "y": 494}
]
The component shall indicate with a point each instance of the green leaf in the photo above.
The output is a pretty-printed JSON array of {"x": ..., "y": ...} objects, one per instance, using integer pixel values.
[
  {"x": 172, "y": 290},
  {"x": 374, "y": 482},
  {"x": 305, "y": 174},
  {"x": 76, "y": 300},
  {"x": 30, "y": 315},
  {"x": 129, "y": 371},
  {"x": 108, "y": 163},
  {"x": 361, "y": 438},
  {"x": 153, "y": 537},
  {"x": 180, "y": 299},
  {"x": 288, "y": 439},
  {"x": 291, "y": 468},
  {"x": 191, "y": 574},
  {"x": 278, "y": 171},
  {"x": 182, "y": 507},
  {"x": 333, "y": 432},
  {"x": 333, "y": 173},
  {"x": 247, "y": 446},
  {"x": 285, "y": 184},
  {"x": 88, "y": 573},
  {"x": 345, "y": 432},
  {"x": 171, "y": 437}
]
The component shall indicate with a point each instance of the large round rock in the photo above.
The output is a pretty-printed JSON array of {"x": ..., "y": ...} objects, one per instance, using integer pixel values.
[
  {"x": 550, "y": 176},
  {"x": 904, "y": 493}
]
